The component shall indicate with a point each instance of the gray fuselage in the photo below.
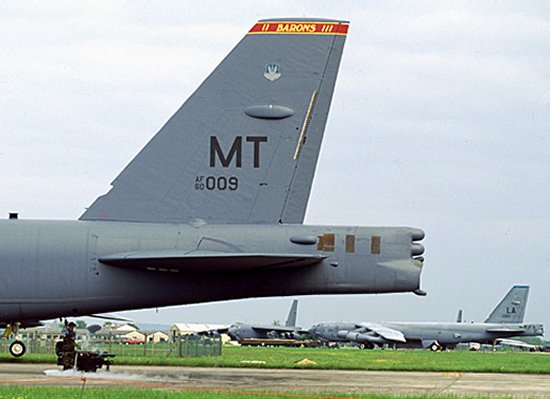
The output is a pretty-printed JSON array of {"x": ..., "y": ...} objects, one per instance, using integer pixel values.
[
  {"x": 419, "y": 334},
  {"x": 51, "y": 268}
]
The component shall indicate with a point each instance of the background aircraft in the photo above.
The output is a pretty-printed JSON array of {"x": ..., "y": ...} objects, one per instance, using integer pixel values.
[
  {"x": 514, "y": 343},
  {"x": 241, "y": 331},
  {"x": 506, "y": 320},
  {"x": 211, "y": 208}
]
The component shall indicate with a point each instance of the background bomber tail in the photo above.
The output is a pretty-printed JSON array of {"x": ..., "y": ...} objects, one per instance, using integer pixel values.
[
  {"x": 244, "y": 147},
  {"x": 511, "y": 308},
  {"x": 293, "y": 312}
]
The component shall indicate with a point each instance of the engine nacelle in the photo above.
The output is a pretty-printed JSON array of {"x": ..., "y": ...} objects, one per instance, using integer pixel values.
[{"x": 361, "y": 337}]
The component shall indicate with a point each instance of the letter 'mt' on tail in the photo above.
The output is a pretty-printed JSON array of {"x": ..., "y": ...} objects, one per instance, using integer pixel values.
[
  {"x": 511, "y": 308},
  {"x": 244, "y": 147}
]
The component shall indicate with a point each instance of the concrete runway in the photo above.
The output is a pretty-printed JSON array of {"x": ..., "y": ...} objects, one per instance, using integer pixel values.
[{"x": 277, "y": 380}]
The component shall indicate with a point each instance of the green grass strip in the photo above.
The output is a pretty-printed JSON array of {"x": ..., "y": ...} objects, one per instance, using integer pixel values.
[
  {"x": 343, "y": 359},
  {"x": 33, "y": 392}
]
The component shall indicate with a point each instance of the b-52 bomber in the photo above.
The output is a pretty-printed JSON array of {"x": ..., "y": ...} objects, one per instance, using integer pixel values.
[
  {"x": 506, "y": 320},
  {"x": 212, "y": 207},
  {"x": 245, "y": 333}
]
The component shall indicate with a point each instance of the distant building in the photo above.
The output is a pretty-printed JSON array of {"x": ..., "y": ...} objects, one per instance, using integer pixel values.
[
  {"x": 194, "y": 328},
  {"x": 114, "y": 331},
  {"x": 53, "y": 331},
  {"x": 157, "y": 337},
  {"x": 123, "y": 329}
]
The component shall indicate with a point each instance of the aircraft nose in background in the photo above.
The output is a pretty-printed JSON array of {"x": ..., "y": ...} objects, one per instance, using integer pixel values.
[
  {"x": 233, "y": 332},
  {"x": 313, "y": 329}
]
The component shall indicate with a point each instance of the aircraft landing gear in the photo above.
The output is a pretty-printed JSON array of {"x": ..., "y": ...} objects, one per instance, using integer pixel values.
[
  {"x": 17, "y": 348},
  {"x": 435, "y": 347}
]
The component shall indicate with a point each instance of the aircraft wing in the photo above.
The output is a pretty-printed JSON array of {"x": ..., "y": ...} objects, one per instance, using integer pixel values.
[
  {"x": 110, "y": 317},
  {"x": 515, "y": 343},
  {"x": 220, "y": 330},
  {"x": 385, "y": 332},
  {"x": 201, "y": 262},
  {"x": 278, "y": 328}
]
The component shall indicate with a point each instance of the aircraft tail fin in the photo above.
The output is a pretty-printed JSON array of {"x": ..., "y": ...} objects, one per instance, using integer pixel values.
[
  {"x": 511, "y": 308},
  {"x": 459, "y": 316},
  {"x": 244, "y": 147},
  {"x": 291, "y": 319}
]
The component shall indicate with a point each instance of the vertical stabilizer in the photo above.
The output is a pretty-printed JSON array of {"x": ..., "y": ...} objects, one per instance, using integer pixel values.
[
  {"x": 511, "y": 308},
  {"x": 459, "y": 316},
  {"x": 244, "y": 147},
  {"x": 291, "y": 319}
]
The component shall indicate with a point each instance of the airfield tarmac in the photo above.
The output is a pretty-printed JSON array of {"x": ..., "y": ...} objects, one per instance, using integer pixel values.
[{"x": 277, "y": 380}]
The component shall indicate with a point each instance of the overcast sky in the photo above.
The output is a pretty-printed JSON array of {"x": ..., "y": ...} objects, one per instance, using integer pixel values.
[{"x": 440, "y": 120}]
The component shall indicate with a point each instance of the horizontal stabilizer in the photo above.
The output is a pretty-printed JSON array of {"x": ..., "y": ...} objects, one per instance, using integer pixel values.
[{"x": 197, "y": 262}]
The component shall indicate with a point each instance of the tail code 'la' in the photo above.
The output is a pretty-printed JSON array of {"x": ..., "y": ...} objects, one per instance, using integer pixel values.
[
  {"x": 511, "y": 308},
  {"x": 244, "y": 147}
]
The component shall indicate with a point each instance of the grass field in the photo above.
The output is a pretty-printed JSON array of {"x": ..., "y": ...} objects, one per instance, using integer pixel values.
[
  {"x": 344, "y": 359},
  {"x": 17, "y": 392}
]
